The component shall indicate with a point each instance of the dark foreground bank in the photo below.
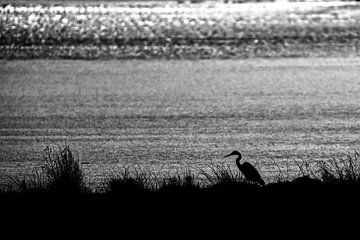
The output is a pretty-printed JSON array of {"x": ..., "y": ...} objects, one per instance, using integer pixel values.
[
  {"x": 188, "y": 208},
  {"x": 60, "y": 190}
]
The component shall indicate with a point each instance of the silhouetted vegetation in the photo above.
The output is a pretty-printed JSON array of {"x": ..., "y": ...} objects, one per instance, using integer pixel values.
[
  {"x": 341, "y": 171},
  {"x": 126, "y": 182},
  {"x": 61, "y": 177},
  {"x": 60, "y": 174}
]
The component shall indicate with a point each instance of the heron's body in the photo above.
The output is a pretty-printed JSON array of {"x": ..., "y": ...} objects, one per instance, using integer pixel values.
[{"x": 247, "y": 169}]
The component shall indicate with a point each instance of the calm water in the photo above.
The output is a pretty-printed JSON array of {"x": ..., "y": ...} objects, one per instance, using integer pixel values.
[{"x": 175, "y": 114}]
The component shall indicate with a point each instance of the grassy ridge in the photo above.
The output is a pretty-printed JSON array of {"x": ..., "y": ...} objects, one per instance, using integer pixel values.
[
  {"x": 62, "y": 177},
  {"x": 58, "y": 199},
  {"x": 181, "y": 31}
]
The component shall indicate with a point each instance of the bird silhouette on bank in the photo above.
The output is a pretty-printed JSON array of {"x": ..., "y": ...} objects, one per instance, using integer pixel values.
[{"x": 247, "y": 169}]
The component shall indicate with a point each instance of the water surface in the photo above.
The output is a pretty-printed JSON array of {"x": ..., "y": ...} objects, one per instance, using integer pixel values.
[{"x": 175, "y": 114}]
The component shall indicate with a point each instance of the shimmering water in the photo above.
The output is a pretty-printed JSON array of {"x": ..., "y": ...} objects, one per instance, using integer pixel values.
[{"x": 175, "y": 114}]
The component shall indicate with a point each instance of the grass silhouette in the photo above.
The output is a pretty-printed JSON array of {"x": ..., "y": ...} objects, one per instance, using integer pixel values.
[
  {"x": 127, "y": 181},
  {"x": 341, "y": 171},
  {"x": 62, "y": 179},
  {"x": 60, "y": 174}
]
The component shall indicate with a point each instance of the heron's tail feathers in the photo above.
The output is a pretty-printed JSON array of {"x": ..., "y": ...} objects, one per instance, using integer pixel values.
[{"x": 261, "y": 182}]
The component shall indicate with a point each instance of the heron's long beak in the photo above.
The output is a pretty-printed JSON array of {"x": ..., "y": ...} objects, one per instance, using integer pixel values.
[{"x": 228, "y": 155}]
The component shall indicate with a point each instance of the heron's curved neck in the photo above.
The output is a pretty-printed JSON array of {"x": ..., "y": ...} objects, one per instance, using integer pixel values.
[{"x": 238, "y": 160}]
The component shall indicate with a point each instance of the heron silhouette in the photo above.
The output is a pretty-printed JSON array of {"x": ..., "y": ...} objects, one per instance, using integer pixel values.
[{"x": 247, "y": 169}]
